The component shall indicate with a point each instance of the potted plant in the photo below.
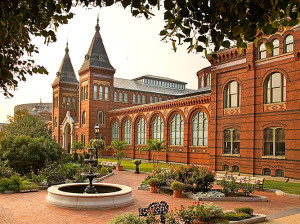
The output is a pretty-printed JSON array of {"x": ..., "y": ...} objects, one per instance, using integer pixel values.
[
  {"x": 137, "y": 163},
  {"x": 154, "y": 183},
  {"x": 177, "y": 188},
  {"x": 118, "y": 147}
]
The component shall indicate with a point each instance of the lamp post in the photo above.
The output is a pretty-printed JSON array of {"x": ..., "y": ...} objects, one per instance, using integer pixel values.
[{"x": 97, "y": 128}]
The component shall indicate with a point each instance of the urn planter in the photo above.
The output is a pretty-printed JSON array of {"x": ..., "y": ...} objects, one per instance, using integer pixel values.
[
  {"x": 119, "y": 168},
  {"x": 153, "y": 189},
  {"x": 177, "y": 193}
]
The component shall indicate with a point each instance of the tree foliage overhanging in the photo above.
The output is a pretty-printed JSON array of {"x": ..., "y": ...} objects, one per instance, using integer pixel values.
[{"x": 199, "y": 23}]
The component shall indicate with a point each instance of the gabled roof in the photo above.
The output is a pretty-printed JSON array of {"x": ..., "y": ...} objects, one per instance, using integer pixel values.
[
  {"x": 96, "y": 55},
  {"x": 138, "y": 86},
  {"x": 66, "y": 72},
  {"x": 159, "y": 78}
]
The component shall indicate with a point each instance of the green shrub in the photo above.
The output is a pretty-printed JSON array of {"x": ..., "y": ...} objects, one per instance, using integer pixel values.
[
  {"x": 229, "y": 184},
  {"x": 13, "y": 183},
  {"x": 28, "y": 185},
  {"x": 127, "y": 218},
  {"x": 153, "y": 182},
  {"x": 244, "y": 210},
  {"x": 207, "y": 212},
  {"x": 177, "y": 186},
  {"x": 137, "y": 162},
  {"x": 6, "y": 170},
  {"x": 103, "y": 171},
  {"x": 237, "y": 216}
]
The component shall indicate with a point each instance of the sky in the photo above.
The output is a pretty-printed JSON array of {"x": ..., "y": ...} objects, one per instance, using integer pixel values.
[{"x": 133, "y": 45}]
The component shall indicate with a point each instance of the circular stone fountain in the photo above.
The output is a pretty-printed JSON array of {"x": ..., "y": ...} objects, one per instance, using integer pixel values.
[{"x": 90, "y": 196}]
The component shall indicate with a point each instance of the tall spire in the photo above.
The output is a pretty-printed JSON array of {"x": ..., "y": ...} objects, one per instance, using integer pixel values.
[
  {"x": 96, "y": 55},
  {"x": 66, "y": 72}
]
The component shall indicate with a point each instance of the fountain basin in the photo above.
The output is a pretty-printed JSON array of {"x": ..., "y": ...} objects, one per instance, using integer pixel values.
[{"x": 60, "y": 196}]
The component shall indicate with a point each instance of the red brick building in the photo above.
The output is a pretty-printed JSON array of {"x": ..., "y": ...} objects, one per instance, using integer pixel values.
[{"x": 244, "y": 116}]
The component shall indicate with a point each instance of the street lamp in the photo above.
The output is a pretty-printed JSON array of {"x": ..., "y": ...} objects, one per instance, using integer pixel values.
[{"x": 97, "y": 128}]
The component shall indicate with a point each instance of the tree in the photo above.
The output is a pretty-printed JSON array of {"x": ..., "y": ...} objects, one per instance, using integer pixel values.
[
  {"x": 118, "y": 147},
  {"x": 155, "y": 145},
  {"x": 202, "y": 24},
  {"x": 25, "y": 153},
  {"x": 25, "y": 124}
]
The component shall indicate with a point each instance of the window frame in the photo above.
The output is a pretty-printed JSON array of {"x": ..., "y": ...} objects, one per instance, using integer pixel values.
[
  {"x": 83, "y": 118},
  {"x": 232, "y": 142},
  {"x": 228, "y": 93},
  {"x": 262, "y": 50},
  {"x": 177, "y": 130},
  {"x": 274, "y": 142},
  {"x": 269, "y": 89},
  {"x": 199, "y": 128},
  {"x": 115, "y": 131},
  {"x": 141, "y": 131},
  {"x": 158, "y": 128},
  {"x": 127, "y": 133},
  {"x": 286, "y": 45}
]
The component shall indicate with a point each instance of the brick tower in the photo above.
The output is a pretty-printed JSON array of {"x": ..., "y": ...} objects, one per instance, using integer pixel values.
[
  {"x": 65, "y": 103},
  {"x": 96, "y": 79}
]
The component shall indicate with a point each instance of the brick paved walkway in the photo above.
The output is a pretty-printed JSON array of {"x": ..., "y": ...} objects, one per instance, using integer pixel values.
[{"x": 32, "y": 207}]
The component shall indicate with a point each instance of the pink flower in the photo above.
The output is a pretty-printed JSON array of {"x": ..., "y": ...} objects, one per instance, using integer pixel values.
[
  {"x": 18, "y": 174},
  {"x": 208, "y": 210}
]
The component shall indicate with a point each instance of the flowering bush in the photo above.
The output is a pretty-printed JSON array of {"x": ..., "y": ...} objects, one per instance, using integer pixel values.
[
  {"x": 247, "y": 188},
  {"x": 6, "y": 170},
  {"x": 229, "y": 184}
]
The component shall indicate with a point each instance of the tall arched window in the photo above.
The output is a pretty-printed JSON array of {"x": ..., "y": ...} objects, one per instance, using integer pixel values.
[
  {"x": 95, "y": 92},
  {"x": 274, "y": 141},
  {"x": 101, "y": 92},
  {"x": 100, "y": 119},
  {"x": 262, "y": 51},
  {"x": 232, "y": 95},
  {"x": 199, "y": 129},
  {"x": 288, "y": 44},
  {"x": 126, "y": 97},
  {"x": 127, "y": 131},
  {"x": 141, "y": 131},
  {"x": 151, "y": 99},
  {"x": 275, "y": 50},
  {"x": 106, "y": 92},
  {"x": 138, "y": 99},
  {"x": 120, "y": 96},
  {"x": 143, "y": 99},
  {"x": 115, "y": 96},
  {"x": 83, "y": 117},
  {"x": 115, "y": 131},
  {"x": 133, "y": 98},
  {"x": 176, "y": 130},
  {"x": 158, "y": 128},
  {"x": 208, "y": 80},
  {"x": 275, "y": 88},
  {"x": 231, "y": 141}
]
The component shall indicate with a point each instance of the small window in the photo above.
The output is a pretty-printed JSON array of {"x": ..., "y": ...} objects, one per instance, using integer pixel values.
[
  {"x": 64, "y": 102},
  {"x": 55, "y": 122},
  {"x": 100, "y": 119},
  {"x": 275, "y": 88},
  {"x": 73, "y": 102},
  {"x": 95, "y": 92},
  {"x": 235, "y": 169},
  {"x": 139, "y": 99},
  {"x": 231, "y": 141},
  {"x": 232, "y": 95},
  {"x": 115, "y": 96},
  {"x": 100, "y": 92},
  {"x": 274, "y": 141},
  {"x": 120, "y": 97},
  {"x": 143, "y": 99},
  {"x": 133, "y": 98},
  {"x": 83, "y": 139},
  {"x": 159, "y": 99},
  {"x": 106, "y": 92},
  {"x": 225, "y": 168},
  {"x": 84, "y": 117},
  {"x": 262, "y": 51},
  {"x": 155, "y": 99},
  {"x": 69, "y": 102},
  {"x": 279, "y": 173},
  {"x": 208, "y": 80},
  {"x": 275, "y": 50},
  {"x": 288, "y": 44},
  {"x": 266, "y": 172},
  {"x": 125, "y": 97},
  {"x": 151, "y": 99}
]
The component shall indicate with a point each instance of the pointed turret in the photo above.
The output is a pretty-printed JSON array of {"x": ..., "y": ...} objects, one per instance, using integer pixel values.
[
  {"x": 66, "y": 72},
  {"x": 96, "y": 55}
]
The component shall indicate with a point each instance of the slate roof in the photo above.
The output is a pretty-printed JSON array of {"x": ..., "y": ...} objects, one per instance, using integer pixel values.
[
  {"x": 66, "y": 72},
  {"x": 159, "y": 78},
  {"x": 138, "y": 86},
  {"x": 96, "y": 55}
]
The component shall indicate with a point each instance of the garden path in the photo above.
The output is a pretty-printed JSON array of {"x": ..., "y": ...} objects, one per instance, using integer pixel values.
[{"x": 32, "y": 207}]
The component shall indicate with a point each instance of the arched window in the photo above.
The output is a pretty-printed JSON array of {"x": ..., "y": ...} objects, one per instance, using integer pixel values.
[
  {"x": 159, "y": 99},
  {"x": 199, "y": 129},
  {"x": 95, "y": 92},
  {"x": 275, "y": 88},
  {"x": 125, "y": 97},
  {"x": 274, "y": 141},
  {"x": 279, "y": 173},
  {"x": 225, "y": 168},
  {"x": 231, "y": 141},
  {"x": 100, "y": 119},
  {"x": 101, "y": 92},
  {"x": 235, "y": 168},
  {"x": 151, "y": 99},
  {"x": 155, "y": 99},
  {"x": 141, "y": 131},
  {"x": 127, "y": 131},
  {"x": 115, "y": 96},
  {"x": 106, "y": 92},
  {"x": 69, "y": 102},
  {"x": 262, "y": 51},
  {"x": 232, "y": 95},
  {"x": 208, "y": 80},
  {"x": 275, "y": 50},
  {"x": 133, "y": 98},
  {"x": 139, "y": 99},
  {"x": 176, "y": 130},
  {"x": 143, "y": 99},
  {"x": 266, "y": 171},
  {"x": 120, "y": 96},
  {"x": 55, "y": 122},
  {"x": 158, "y": 128},
  {"x": 288, "y": 44},
  {"x": 83, "y": 117},
  {"x": 73, "y": 102},
  {"x": 115, "y": 131}
]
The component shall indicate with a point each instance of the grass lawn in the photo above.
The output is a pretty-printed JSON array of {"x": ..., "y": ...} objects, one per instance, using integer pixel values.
[
  {"x": 128, "y": 164},
  {"x": 291, "y": 188}
]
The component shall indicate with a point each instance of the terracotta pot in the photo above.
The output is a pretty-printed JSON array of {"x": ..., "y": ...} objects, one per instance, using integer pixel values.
[
  {"x": 153, "y": 189},
  {"x": 198, "y": 222},
  {"x": 177, "y": 193},
  {"x": 119, "y": 168}
]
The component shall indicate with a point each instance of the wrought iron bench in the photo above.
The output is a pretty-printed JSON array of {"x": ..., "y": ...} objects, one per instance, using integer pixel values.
[{"x": 156, "y": 208}]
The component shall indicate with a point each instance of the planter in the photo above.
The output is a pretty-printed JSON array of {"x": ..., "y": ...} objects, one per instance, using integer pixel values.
[
  {"x": 9, "y": 192},
  {"x": 119, "y": 168},
  {"x": 177, "y": 193},
  {"x": 24, "y": 191},
  {"x": 198, "y": 222},
  {"x": 34, "y": 190},
  {"x": 137, "y": 169},
  {"x": 153, "y": 189}
]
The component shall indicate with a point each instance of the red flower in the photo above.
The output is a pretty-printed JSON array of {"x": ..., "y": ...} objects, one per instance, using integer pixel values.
[
  {"x": 18, "y": 174},
  {"x": 208, "y": 210}
]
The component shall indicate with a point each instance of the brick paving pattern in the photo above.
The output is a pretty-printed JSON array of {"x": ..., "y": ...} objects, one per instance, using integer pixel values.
[{"x": 32, "y": 207}]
